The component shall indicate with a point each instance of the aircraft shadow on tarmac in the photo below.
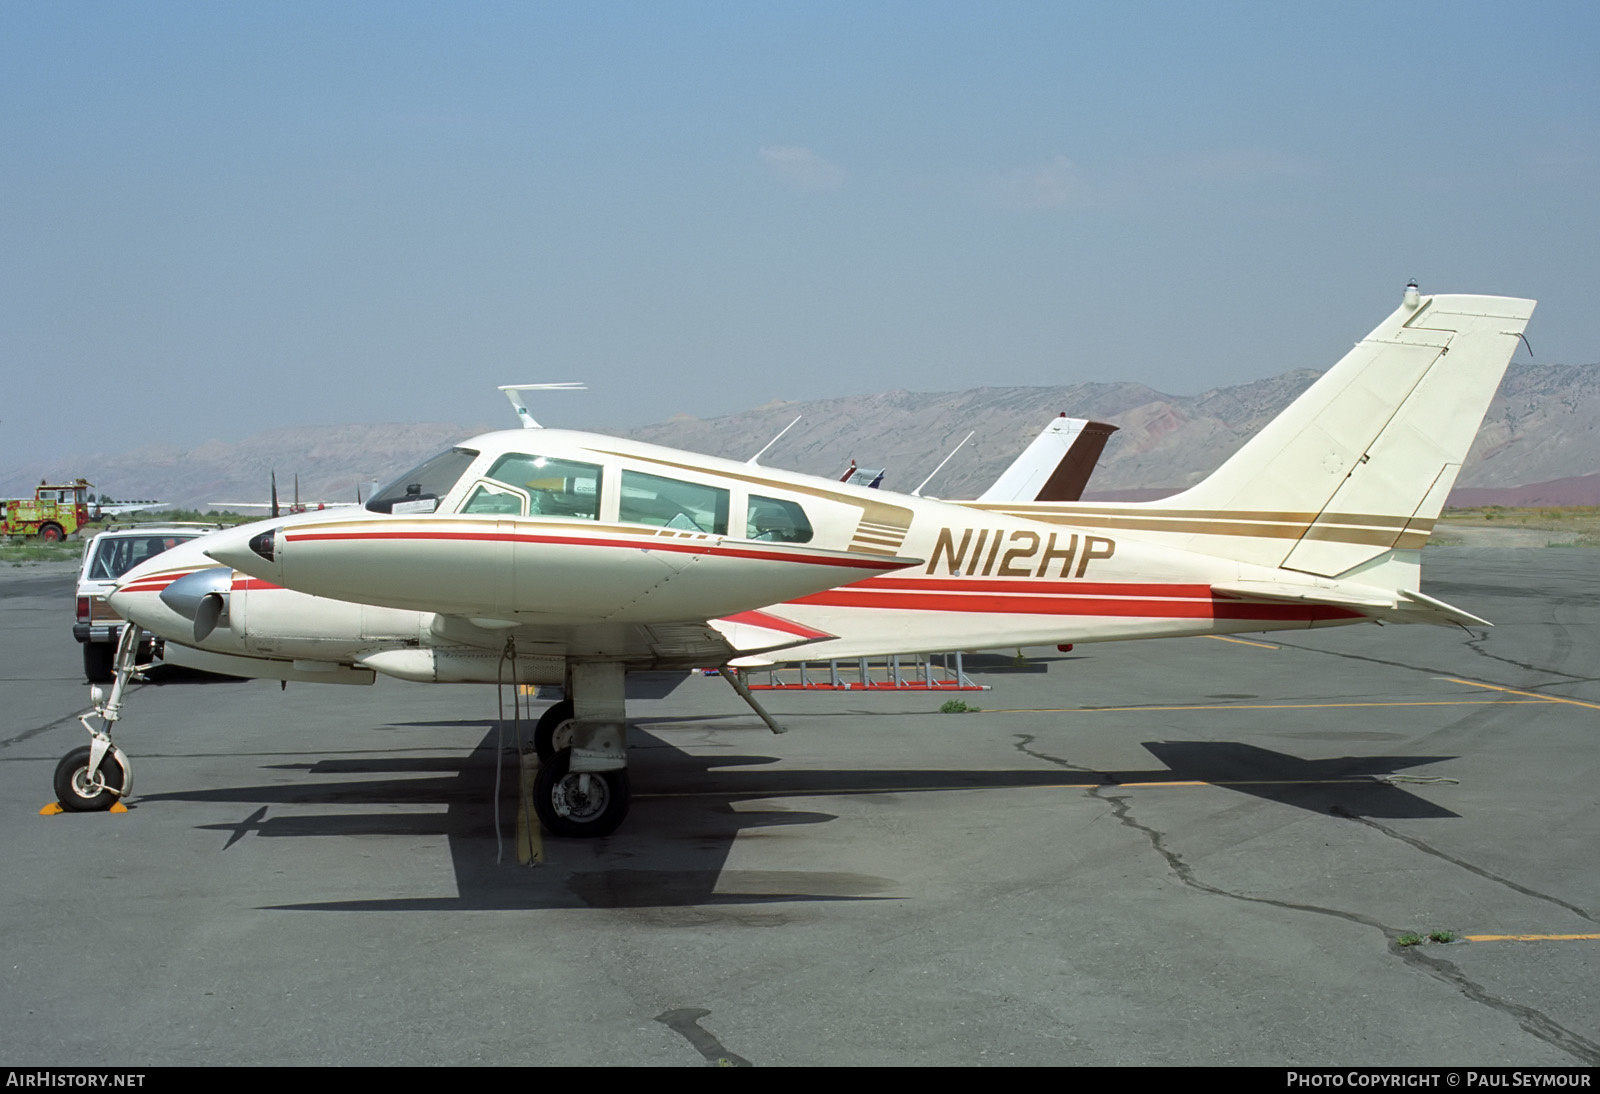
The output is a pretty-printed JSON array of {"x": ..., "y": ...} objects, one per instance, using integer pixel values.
[{"x": 685, "y": 818}]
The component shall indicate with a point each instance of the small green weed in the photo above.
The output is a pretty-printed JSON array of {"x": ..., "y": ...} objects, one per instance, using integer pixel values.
[
  {"x": 1409, "y": 939},
  {"x": 1441, "y": 936},
  {"x": 956, "y": 706}
]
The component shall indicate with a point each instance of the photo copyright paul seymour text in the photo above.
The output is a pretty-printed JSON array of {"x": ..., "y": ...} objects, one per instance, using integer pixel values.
[{"x": 1463, "y": 1078}]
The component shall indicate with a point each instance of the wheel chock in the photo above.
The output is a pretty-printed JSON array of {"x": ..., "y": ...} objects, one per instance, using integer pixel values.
[{"x": 55, "y": 807}]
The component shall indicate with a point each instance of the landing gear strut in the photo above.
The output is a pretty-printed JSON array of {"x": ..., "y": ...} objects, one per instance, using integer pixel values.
[{"x": 92, "y": 778}]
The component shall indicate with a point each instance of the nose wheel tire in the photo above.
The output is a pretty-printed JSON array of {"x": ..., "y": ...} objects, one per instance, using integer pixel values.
[
  {"x": 554, "y": 731},
  {"x": 583, "y": 805},
  {"x": 74, "y": 790}
]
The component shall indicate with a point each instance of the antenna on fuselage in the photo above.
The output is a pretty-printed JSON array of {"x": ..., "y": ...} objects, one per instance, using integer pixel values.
[
  {"x": 752, "y": 460},
  {"x": 521, "y": 407},
  {"x": 917, "y": 493}
]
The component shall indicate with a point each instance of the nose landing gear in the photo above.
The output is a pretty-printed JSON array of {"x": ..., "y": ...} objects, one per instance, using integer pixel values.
[{"x": 95, "y": 777}]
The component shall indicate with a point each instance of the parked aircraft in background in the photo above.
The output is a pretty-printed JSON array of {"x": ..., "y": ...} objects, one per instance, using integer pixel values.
[
  {"x": 275, "y": 509},
  {"x": 1055, "y": 467},
  {"x": 573, "y": 558}
]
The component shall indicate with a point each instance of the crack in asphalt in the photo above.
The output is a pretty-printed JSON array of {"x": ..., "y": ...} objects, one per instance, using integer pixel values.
[
  {"x": 1533, "y": 1021},
  {"x": 28, "y": 734},
  {"x": 1488, "y": 875},
  {"x": 1476, "y": 648},
  {"x": 1026, "y": 739},
  {"x": 1567, "y": 676}
]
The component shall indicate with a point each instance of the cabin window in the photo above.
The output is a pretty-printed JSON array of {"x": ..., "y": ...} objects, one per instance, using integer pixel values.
[
  {"x": 671, "y": 503},
  {"x": 776, "y": 521},
  {"x": 555, "y": 488}
]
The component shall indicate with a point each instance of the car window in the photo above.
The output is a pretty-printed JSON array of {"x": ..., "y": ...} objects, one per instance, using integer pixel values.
[{"x": 116, "y": 555}]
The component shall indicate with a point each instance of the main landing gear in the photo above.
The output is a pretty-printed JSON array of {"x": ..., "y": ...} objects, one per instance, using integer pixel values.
[
  {"x": 94, "y": 777},
  {"x": 582, "y": 786}
]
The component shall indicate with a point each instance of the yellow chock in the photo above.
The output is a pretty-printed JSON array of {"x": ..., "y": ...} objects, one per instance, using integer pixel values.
[
  {"x": 51, "y": 810},
  {"x": 117, "y": 807}
]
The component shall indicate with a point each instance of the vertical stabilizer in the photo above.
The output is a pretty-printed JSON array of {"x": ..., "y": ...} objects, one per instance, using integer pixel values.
[
  {"x": 1056, "y": 465},
  {"x": 1361, "y": 463}
]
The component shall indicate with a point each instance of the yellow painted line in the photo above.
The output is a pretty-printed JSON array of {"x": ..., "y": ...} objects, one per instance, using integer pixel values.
[
  {"x": 1243, "y": 641},
  {"x": 1531, "y": 937},
  {"x": 1514, "y": 691},
  {"x": 1265, "y": 706},
  {"x": 530, "y": 833}
]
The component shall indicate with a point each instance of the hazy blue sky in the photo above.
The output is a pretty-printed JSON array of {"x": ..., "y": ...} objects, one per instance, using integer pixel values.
[{"x": 219, "y": 218}]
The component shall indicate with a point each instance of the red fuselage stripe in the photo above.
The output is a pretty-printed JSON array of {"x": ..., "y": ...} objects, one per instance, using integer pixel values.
[
  {"x": 153, "y": 584},
  {"x": 1032, "y": 587},
  {"x": 644, "y": 543},
  {"x": 1058, "y": 605}
]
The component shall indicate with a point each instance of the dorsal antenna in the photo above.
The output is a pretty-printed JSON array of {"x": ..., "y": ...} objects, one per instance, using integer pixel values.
[
  {"x": 514, "y": 393},
  {"x": 753, "y": 459}
]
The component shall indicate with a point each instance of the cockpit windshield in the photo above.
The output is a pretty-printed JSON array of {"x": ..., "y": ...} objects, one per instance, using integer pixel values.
[{"x": 419, "y": 490}]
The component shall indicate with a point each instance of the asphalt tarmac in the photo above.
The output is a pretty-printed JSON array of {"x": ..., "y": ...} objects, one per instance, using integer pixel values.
[{"x": 1191, "y": 851}]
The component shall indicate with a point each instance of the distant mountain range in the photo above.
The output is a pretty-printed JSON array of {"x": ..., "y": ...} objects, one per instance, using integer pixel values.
[{"x": 1539, "y": 445}]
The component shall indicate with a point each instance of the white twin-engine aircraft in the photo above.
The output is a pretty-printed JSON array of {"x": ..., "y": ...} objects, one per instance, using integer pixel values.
[{"x": 558, "y": 557}]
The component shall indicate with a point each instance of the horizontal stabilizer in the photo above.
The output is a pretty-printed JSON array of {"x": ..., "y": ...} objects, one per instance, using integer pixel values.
[
  {"x": 1399, "y": 606},
  {"x": 1284, "y": 592},
  {"x": 1450, "y": 613}
]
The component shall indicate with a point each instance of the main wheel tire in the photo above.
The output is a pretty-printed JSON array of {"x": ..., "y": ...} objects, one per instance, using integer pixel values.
[
  {"x": 97, "y": 662},
  {"x": 51, "y": 533},
  {"x": 579, "y": 806},
  {"x": 554, "y": 731},
  {"x": 72, "y": 782}
]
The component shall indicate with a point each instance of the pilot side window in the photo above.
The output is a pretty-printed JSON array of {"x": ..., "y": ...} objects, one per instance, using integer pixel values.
[
  {"x": 555, "y": 488},
  {"x": 776, "y": 521},
  {"x": 491, "y": 497},
  {"x": 669, "y": 503}
]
